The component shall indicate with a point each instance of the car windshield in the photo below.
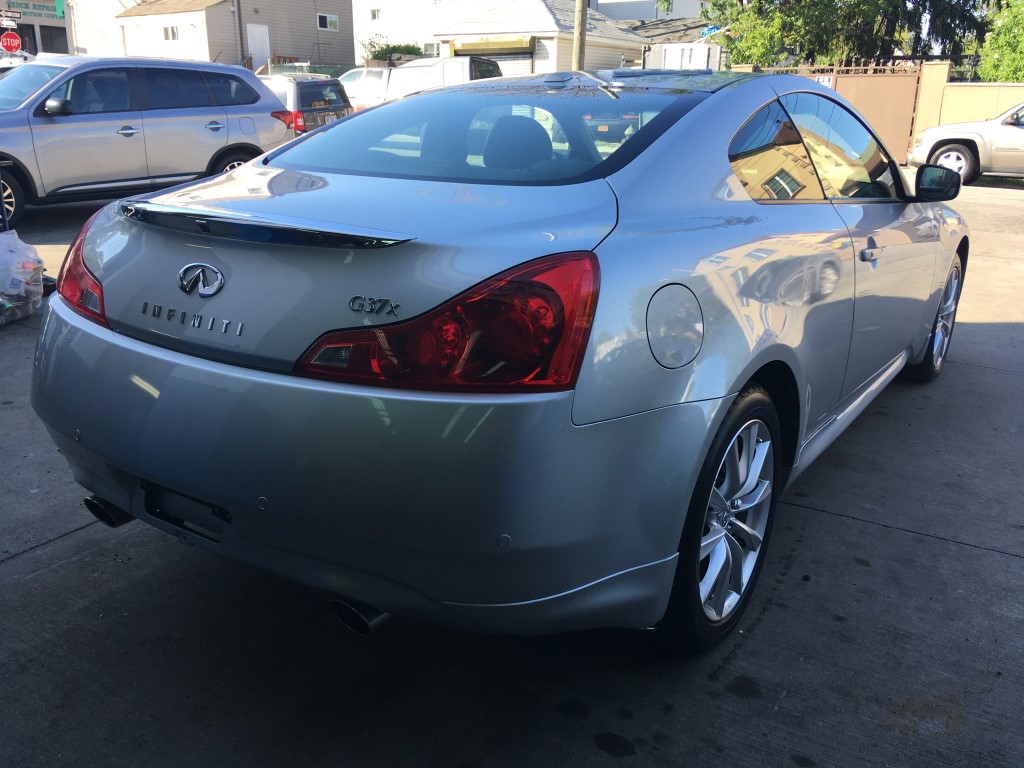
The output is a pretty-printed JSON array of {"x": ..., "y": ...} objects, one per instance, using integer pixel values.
[
  {"x": 21, "y": 82},
  {"x": 321, "y": 94},
  {"x": 517, "y": 134}
]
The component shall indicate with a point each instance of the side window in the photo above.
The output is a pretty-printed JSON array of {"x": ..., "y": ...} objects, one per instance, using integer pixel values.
[
  {"x": 100, "y": 90},
  {"x": 480, "y": 69},
  {"x": 229, "y": 91},
  {"x": 849, "y": 160},
  {"x": 174, "y": 89},
  {"x": 771, "y": 161}
]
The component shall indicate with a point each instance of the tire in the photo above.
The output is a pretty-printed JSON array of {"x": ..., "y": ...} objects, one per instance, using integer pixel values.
[
  {"x": 727, "y": 526},
  {"x": 958, "y": 158},
  {"x": 230, "y": 161},
  {"x": 942, "y": 329},
  {"x": 13, "y": 199}
]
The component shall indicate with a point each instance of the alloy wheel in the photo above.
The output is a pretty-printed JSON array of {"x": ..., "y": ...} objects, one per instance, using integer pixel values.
[
  {"x": 945, "y": 318},
  {"x": 736, "y": 520},
  {"x": 8, "y": 196}
]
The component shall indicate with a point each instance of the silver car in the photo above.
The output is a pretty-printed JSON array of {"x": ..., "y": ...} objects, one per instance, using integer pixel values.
[
  {"x": 994, "y": 146},
  {"x": 80, "y": 127},
  {"x": 529, "y": 383}
]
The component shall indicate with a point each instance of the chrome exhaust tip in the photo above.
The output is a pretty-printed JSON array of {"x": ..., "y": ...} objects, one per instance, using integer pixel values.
[
  {"x": 106, "y": 512},
  {"x": 357, "y": 617}
]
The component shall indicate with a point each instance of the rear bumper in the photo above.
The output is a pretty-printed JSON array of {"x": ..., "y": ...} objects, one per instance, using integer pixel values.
[{"x": 485, "y": 512}]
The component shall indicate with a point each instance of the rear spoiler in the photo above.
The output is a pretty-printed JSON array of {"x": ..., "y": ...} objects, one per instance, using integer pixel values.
[{"x": 255, "y": 230}]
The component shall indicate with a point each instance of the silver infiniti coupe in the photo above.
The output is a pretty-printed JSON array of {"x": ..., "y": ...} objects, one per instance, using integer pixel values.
[{"x": 476, "y": 357}]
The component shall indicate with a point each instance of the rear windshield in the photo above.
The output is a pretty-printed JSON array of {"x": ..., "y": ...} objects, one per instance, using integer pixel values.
[
  {"x": 482, "y": 68},
  {"x": 22, "y": 81},
  {"x": 510, "y": 135},
  {"x": 321, "y": 94}
]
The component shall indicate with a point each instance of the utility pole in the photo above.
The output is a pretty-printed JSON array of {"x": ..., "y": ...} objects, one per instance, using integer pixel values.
[{"x": 579, "y": 35}]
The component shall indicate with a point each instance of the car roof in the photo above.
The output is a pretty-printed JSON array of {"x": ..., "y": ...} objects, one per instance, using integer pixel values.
[
  {"x": 681, "y": 80},
  {"x": 298, "y": 76},
  {"x": 75, "y": 60}
]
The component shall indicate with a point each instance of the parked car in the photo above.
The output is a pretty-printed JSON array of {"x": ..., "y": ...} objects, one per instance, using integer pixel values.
[
  {"x": 370, "y": 86},
  {"x": 552, "y": 384},
  {"x": 9, "y": 61},
  {"x": 975, "y": 148},
  {"x": 80, "y": 127},
  {"x": 312, "y": 100}
]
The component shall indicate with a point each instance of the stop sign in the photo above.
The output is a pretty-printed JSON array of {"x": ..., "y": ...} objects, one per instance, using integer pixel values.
[{"x": 10, "y": 42}]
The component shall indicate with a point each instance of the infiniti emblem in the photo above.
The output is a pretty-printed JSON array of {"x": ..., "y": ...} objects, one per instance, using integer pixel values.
[{"x": 208, "y": 279}]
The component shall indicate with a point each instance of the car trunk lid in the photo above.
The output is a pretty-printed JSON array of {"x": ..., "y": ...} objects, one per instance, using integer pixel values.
[{"x": 253, "y": 266}]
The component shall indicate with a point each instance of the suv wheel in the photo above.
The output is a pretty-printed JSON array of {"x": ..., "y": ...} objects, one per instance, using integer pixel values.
[
  {"x": 957, "y": 158},
  {"x": 13, "y": 199},
  {"x": 230, "y": 161}
]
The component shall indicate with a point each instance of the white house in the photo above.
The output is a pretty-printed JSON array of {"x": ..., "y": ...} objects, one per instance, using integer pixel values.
[
  {"x": 523, "y": 36},
  {"x": 229, "y": 31},
  {"x": 647, "y": 9}
]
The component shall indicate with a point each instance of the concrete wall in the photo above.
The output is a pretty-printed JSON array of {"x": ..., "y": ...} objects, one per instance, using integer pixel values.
[
  {"x": 597, "y": 54},
  {"x": 405, "y": 21},
  {"x": 222, "y": 34},
  {"x": 93, "y": 28},
  {"x": 940, "y": 102},
  {"x": 685, "y": 56},
  {"x": 294, "y": 32},
  {"x": 144, "y": 36},
  {"x": 646, "y": 9}
]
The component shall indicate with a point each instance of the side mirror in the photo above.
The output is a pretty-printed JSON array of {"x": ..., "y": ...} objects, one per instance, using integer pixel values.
[
  {"x": 56, "y": 107},
  {"x": 1013, "y": 119},
  {"x": 935, "y": 184}
]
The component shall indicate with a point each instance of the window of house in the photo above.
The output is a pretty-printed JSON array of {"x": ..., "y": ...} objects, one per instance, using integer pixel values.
[
  {"x": 170, "y": 33},
  {"x": 431, "y": 49},
  {"x": 328, "y": 21},
  {"x": 771, "y": 161},
  {"x": 374, "y": 14},
  {"x": 849, "y": 160}
]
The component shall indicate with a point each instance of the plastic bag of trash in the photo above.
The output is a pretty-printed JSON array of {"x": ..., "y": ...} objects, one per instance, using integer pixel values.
[{"x": 21, "y": 278}]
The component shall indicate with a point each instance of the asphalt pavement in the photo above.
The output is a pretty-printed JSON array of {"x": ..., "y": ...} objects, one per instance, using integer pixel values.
[{"x": 886, "y": 629}]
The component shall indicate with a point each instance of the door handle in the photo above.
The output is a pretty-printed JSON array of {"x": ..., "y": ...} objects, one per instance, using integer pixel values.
[
  {"x": 127, "y": 130},
  {"x": 872, "y": 250},
  {"x": 213, "y": 125}
]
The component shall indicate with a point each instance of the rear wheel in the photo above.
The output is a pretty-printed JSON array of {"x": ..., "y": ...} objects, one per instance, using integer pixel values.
[
  {"x": 230, "y": 161},
  {"x": 957, "y": 158},
  {"x": 13, "y": 199},
  {"x": 727, "y": 526},
  {"x": 942, "y": 329}
]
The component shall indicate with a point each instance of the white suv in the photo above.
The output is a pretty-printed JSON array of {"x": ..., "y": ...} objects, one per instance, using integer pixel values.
[
  {"x": 993, "y": 146},
  {"x": 80, "y": 127}
]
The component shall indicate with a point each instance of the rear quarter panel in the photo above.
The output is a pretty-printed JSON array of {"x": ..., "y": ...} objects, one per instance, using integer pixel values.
[{"x": 684, "y": 218}]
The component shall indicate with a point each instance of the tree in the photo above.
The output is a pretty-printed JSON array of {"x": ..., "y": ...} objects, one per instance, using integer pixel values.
[
  {"x": 377, "y": 47},
  {"x": 847, "y": 31},
  {"x": 1002, "y": 55}
]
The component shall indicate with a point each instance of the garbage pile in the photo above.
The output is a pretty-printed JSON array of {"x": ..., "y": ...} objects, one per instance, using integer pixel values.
[{"x": 21, "y": 278}]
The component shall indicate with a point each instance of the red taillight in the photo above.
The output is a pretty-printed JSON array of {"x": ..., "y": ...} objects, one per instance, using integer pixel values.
[
  {"x": 524, "y": 330},
  {"x": 77, "y": 284},
  {"x": 284, "y": 117},
  {"x": 298, "y": 121}
]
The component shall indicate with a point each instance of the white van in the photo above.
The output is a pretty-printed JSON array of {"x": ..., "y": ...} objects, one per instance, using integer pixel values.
[{"x": 369, "y": 86}]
